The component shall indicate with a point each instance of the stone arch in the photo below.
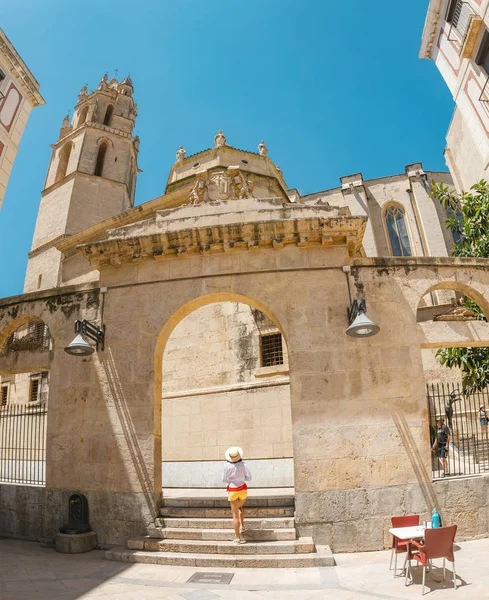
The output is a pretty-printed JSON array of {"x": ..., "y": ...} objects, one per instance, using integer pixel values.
[
  {"x": 108, "y": 114},
  {"x": 63, "y": 161},
  {"x": 100, "y": 162},
  {"x": 13, "y": 326},
  {"x": 83, "y": 115},
  {"x": 177, "y": 317},
  {"x": 462, "y": 288},
  {"x": 105, "y": 140}
]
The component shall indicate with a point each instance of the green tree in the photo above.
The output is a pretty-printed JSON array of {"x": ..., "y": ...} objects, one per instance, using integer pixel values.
[{"x": 468, "y": 220}]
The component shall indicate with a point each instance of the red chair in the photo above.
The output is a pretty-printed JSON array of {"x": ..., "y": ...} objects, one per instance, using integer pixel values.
[
  {"x": 438, "y": 543},
  {"x": 399, "y": 546}
]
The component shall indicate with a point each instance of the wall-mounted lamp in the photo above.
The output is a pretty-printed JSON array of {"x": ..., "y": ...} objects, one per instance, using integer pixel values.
[
  {"x": 80, "y": 346},
  {"x": 360, "y": 325}
]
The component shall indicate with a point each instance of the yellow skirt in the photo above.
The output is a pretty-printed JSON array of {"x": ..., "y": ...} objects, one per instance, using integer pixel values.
[{"x": 241, "y": 495}]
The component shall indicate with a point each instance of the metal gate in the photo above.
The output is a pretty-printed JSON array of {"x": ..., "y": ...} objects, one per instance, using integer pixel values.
[
  {"x": 469, "y": 443},
  {"x": 23, "y": 443}
]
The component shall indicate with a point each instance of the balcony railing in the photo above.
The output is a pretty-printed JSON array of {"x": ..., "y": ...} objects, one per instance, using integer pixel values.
[{"x": 460, "y": 19}]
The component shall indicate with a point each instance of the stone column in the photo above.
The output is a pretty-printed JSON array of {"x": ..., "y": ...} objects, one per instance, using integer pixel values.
[
  {"x": 429, "y": 216},
  {"x": 356, "y": 196}
]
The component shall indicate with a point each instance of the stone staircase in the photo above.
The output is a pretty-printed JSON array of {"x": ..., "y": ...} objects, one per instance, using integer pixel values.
[{"x": 198, "y": 532}]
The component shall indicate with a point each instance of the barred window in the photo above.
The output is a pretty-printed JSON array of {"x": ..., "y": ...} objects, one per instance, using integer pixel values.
[
  {"x": 4, "y": 397},
  {"x": 271, "y": 350},
  {"x": 34, "y": 391}
]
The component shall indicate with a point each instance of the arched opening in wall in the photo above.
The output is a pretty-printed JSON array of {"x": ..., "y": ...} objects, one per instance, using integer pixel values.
[
  {"x": 24, "y": 393},
  {"x": 83, "y": 116},
  {"x": 455, "y": 357},
  {"x": 225, "y": 383},
  {"x": 99, "y": 165},
  {"x": 64, "y": 158},
  {"x": 108, "y": 114}
]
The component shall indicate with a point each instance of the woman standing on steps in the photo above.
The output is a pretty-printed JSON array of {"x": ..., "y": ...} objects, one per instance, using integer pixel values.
[{"x": 236, "y": 474}]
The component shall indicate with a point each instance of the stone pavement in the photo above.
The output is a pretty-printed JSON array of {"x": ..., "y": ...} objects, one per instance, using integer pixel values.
[{"x": 29, "y": 571}]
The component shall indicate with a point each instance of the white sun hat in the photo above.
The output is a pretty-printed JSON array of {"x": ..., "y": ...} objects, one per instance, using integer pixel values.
[{"x": 234, "y": 454}]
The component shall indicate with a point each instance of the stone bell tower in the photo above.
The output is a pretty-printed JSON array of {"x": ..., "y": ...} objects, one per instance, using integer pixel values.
[{"x": 91, "y": 176}]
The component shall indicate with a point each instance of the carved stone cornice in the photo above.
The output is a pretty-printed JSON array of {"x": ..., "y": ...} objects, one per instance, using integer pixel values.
[
  {"x": 317, "y": 231},
  {"x": 74, "y": 132},
  {"x": 21, "y": 74}
]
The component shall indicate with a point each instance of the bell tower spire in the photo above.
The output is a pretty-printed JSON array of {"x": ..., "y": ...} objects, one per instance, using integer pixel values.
[{"x": 91, "y": 175}]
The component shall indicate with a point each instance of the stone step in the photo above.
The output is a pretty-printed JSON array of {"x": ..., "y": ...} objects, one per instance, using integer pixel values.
[
  {"x": 301, "y": 546},
  {"x": 211, "y": 502},
  {"x": 323, "y": 557},
  {"x": 191, "y": 533},
  {"x": 226, "y": 523},
  {"x": 269, "y": 511}
]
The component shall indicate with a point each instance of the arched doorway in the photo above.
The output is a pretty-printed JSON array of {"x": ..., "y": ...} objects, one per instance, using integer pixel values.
[
  {"x": 453, "y": 319},
  {"x": 225, "y": 382}
]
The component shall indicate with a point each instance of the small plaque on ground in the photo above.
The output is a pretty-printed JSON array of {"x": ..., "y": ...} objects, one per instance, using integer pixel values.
[{"x": 201, "y": 577}]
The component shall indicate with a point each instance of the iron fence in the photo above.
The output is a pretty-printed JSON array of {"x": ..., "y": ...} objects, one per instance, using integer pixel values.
[
  {"x": 23, "y": 443},
  {"x": 469, "y": 439}
]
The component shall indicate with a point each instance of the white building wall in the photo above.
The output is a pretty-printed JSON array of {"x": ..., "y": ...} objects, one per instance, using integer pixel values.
[
  {"x": 18, "y": 95},
  {"x": 467, "y": 153}
]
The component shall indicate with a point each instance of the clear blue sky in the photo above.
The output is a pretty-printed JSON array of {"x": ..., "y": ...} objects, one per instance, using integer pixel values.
[{"x": 333, "y": 88}]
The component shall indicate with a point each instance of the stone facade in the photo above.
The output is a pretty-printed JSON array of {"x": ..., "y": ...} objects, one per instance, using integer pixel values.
[
  {"x": 19, "y": 94},
  {"x": 185, "y": 285},
  {"x": 91, "y": 176},
  {"x": 104, "y": 426},
  {"x": 456, "y": 38}
]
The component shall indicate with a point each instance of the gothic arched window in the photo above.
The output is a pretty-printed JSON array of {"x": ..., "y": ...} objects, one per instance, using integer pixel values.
[
  {"x": 64, "y": 158},
  {"x": 83, "y": 116},
  {"x": 99, "y": 165},
  {"x": 395, "y": 223},
  {"x": 457, "y": 234},
  {"x": 108, "y": 114}
]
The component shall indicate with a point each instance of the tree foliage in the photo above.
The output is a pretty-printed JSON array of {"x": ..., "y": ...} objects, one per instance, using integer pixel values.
[{"x": 468, "y": 220}]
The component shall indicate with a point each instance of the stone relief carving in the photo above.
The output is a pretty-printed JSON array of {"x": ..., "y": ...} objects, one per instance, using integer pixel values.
[
  {"x": 219, "y": 139},
  {"x": 243, "y": 187},
  {"x": 200, "y": 191},
  {"x": 262, "y": 149},
  {"x": 457, "y": 312},
  {"x": 230, "y": 184},
  {"x": 181, "y": 152}
]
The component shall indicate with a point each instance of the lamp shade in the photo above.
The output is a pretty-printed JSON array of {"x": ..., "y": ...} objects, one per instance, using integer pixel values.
[
  {"x": 79, "y": 347},
  {"x": 362, "y": 327}
]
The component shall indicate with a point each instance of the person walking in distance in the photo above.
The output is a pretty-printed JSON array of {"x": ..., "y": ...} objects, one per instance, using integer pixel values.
[
  {"x": 236, "y": 474},
  {"x": 442, "y": 443},
  {"x": 483, "y": 418}
]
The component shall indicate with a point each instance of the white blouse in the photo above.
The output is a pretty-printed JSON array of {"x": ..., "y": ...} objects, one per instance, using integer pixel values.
[{"x": 235, "y": 474}]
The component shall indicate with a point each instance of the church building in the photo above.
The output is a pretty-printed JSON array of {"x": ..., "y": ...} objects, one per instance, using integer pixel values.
[{"x": 216, "y": 315}]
